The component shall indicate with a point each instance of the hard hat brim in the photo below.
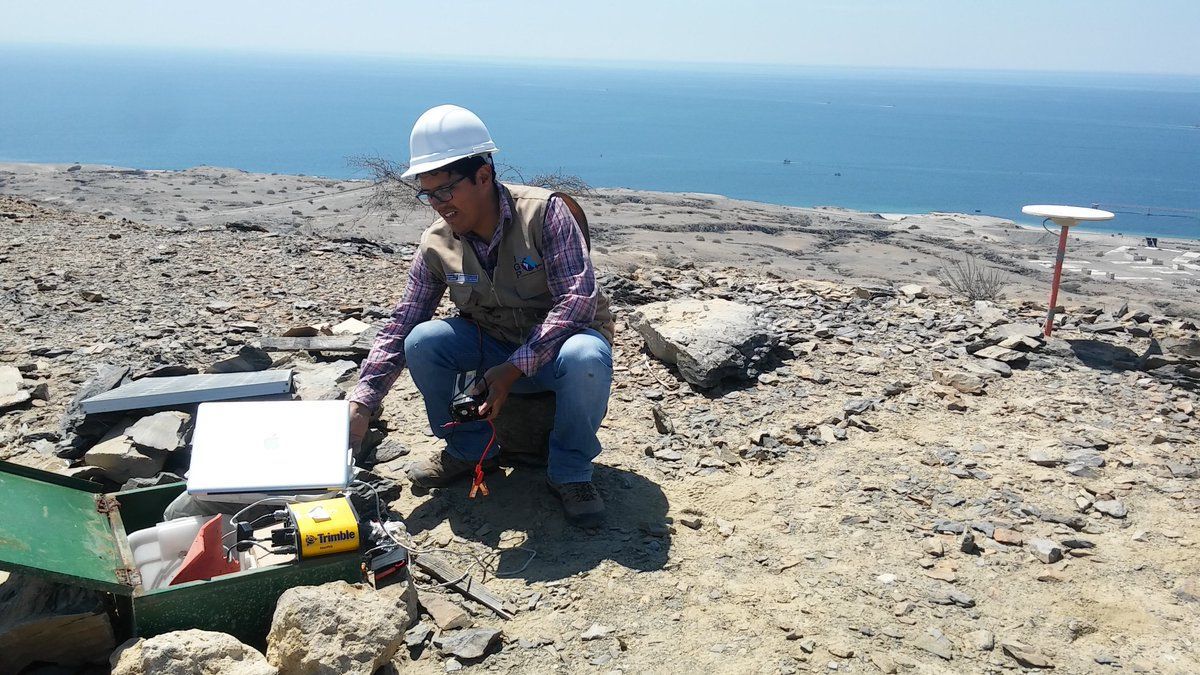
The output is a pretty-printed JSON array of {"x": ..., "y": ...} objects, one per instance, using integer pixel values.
[{"x": 433, "y": 165}]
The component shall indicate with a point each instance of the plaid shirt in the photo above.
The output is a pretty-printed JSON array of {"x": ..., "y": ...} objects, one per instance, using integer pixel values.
[{"x": 569, "y": 274}]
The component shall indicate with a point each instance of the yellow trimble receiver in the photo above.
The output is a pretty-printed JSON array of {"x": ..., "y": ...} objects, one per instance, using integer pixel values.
[{"x": 324, "y": 527}]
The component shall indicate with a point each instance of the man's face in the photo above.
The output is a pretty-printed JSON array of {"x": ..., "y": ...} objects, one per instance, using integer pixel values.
[{"x": 469, "y": 203}]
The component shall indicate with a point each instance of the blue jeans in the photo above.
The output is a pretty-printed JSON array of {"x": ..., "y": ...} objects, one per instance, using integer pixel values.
[{"x": 580, "y": 375}]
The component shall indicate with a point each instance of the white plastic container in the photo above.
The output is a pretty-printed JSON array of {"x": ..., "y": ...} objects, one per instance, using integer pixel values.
[{"x": 159, "y": 551}]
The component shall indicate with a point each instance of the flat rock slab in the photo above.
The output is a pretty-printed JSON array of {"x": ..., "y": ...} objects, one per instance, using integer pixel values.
[
  {"x": 471, "y": 643},
  {"x": 161, "y": 431},
  {"x": 1015, "y": 329},
  {"x": 353, "y": 344},
  {"x": 324, "y": 381},
  {"x": 447, "y": 614},
  {"x": 1002, "y": 354},
  {"x": 158, "y": 392},
  {"x": 249, "y": 359},
  {"x": 708, "y": 340},
  {"x": 935, "y": 643},
  {"x": 1185, "y": 347},
  {"x": 1025, "y": 656},
  {"x": 12, "y": 387},
  {"x": 965, "y": 383},
  {"x": 1111, "y": 507},
  {"x": 121, "y": 460}
]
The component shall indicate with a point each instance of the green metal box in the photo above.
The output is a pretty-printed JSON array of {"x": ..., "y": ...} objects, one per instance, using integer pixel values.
[{"x": 65, "y": 530}]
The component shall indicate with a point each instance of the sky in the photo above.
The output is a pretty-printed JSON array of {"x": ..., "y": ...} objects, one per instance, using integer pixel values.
[{"x": 1146, "y": 36}]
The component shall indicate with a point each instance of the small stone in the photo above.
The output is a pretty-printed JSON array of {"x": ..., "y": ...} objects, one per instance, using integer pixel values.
[
  {"x": 942, "y": 573},
  {"x": 1025, "y": 656},
  {"x": 935, "y": 547},
  {"x": 934, "y": 642},
  {"x": 350, "y": 327},
  {"x": 596, "y": 631},
  {"x": 967, "y": 544},
  {"x": 1045, "y": 550},
  {"x": 470, "y": 643},
  {"x": 829, "y": 434},
  {"x": 161, "y": 431},
  {"x": 668, "y": 455},
  {"x": 418, "y": 635},
  {"x": 1045, "y": 458},
  {"x": 661, "y": 421},
  {"x": 841, "y": 651},
  {"x": 1008, "y": 537},
  {"x": 883, "y": 662},
  {"x": 388, "y": 450},
  {"x": 962, "y": 382},
  {"x": 949, "y": 527},
  {"x": 12, "y": 390},
  {"x": 983, "y": 640},
  {"x": 1111, "y": 507},
  {"x": 445, "y": 613}
]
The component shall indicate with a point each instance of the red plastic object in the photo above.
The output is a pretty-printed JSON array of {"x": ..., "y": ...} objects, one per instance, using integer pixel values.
[{"x": 206, "y": 557}]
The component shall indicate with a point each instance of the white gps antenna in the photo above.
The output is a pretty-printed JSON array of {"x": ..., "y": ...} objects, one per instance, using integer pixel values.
[{"x": 1066, "y": 217}]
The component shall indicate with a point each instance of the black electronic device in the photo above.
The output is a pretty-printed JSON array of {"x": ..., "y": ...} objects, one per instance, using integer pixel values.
[{"x": 464, "y": 407}]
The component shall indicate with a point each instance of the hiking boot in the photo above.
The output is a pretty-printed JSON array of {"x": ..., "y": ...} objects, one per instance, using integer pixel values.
[
  {"x": 443, "y": 469},
  {"x": 581, "y": 502}
]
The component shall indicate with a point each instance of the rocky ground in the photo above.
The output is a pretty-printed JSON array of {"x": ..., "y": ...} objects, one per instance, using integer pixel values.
[{"x": 893, "y": 479}]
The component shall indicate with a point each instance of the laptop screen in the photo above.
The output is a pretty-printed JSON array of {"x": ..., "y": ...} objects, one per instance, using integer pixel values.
[{"x": 280, "y": 447}]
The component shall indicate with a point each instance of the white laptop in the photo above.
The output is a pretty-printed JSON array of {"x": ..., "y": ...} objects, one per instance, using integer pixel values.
[{"x": 270, "y": 447}]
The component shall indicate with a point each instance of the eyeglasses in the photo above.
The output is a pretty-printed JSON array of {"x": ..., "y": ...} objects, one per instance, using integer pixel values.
[{"x": 440, "y": 195}]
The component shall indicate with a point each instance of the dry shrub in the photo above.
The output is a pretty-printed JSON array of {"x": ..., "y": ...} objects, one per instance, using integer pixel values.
[
  {"x": 971, "y": 280},
  {"x": 388, "y": 191},
  {"x": 559, "y": 181}
]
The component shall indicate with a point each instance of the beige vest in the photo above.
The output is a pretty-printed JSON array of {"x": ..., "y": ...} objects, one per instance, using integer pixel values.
[{"x": 508, "y": 306}]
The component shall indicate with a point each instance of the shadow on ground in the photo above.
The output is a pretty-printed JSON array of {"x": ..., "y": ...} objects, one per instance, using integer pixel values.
[
  {"x": 1104, "y": 356},
  {"x": 520, "y": 502}
]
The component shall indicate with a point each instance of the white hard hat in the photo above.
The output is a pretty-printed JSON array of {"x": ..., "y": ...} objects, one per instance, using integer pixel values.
[{"x": 443, "y": 135}]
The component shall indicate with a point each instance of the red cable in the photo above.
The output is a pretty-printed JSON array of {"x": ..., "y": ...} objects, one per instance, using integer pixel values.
[{"x": 477, "y": 484}]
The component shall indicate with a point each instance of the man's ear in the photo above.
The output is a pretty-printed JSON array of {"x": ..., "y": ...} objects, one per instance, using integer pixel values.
[{"x": 486, "y": 172}]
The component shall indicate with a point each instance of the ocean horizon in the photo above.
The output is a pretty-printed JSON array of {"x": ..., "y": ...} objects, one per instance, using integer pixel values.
[{"x": 879, "y": 140}]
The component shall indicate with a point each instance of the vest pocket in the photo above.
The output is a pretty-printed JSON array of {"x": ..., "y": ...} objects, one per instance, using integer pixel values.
[
  {"x": 460, "y": 294},
  {"x": 532, "y": 285}
]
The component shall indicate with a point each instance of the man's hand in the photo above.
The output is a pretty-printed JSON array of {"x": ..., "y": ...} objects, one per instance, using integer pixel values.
[
  {"x": 360, "y": 419},
  {"x": 499, "y": 382}
]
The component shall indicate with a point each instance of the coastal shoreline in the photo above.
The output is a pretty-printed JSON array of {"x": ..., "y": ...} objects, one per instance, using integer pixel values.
[{"x": 640, "y": 227}]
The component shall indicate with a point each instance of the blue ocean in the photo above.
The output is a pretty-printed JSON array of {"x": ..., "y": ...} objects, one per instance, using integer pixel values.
[{"x": 878, "y": 140}]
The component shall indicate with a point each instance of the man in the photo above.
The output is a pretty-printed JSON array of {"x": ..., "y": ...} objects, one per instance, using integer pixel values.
[{"x": 530, "y": 319}]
